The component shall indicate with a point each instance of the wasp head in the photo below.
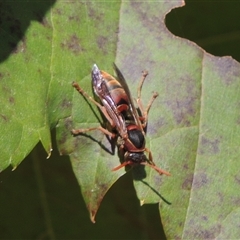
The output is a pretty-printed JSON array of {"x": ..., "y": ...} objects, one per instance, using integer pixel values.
[{"x": 135, "y": 157}]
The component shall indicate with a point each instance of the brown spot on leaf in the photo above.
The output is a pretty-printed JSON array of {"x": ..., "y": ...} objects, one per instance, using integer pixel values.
[
  {"x": 73, "y": 44},
  {"x": 66, "y": 103},
  {"x": 200, "y": 180},
  {"x": 11, "y": 100},
  {"x": 93, "y": 14},
  {"x": 220, "y": 197},
  {"x": 5, "y": 118},
  {"x": 64, "y": 137},
  {"x": 227, "y": 69},
  {"x": 209, "y": 146},
  {"x": 235, "y": 200},
  {"x": 182, "y": 98},
  {"x": 237, "y": 179},
  {"x": 102, "y": 43},
  {"x": 153, "y": 127},
  {"x": 187, "y": 184},
  {"x": 211, "y": 233},
  {"x": 152, "y": 23},
  {"x": 199, "y": 230},
  {"x": 74, "y": 18}
]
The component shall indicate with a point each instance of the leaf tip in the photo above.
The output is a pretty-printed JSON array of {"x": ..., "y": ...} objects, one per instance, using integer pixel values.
[
  {"x": 49, "y": 153},
  {"x": 14, "y": 167},
  {"x": 92, "y": 216},
  {"x": 142, "y": 202}
]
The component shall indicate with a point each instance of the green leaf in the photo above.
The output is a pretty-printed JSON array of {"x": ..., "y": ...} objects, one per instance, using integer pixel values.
[
  {"x": 25, "y": 80},
  {"x": 92, "y": 154},
  {"x": 193, "y": 129}
]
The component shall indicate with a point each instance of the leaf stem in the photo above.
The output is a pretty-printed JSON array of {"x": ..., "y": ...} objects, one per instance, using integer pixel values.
[{"x": 43, "y": 195}]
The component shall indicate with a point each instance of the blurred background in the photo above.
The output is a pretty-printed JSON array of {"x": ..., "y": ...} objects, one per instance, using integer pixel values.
[
  {"x": 213, "y": 25},
  {"x": 39, "y": 183}
]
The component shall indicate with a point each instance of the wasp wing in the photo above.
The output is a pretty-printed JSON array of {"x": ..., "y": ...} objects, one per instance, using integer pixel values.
[{"x": 122, "y": 80}]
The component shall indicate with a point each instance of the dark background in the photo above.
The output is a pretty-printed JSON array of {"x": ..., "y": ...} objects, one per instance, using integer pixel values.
[{"x": 40, "y": 183}]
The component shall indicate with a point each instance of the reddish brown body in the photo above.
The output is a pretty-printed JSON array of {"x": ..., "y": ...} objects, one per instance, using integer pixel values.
[{"x": 118, "y": 108}]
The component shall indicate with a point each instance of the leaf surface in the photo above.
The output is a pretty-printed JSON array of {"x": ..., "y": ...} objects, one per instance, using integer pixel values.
[{"x": 193, "y": 129}]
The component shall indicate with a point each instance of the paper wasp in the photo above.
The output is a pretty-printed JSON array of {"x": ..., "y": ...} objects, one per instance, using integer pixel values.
[{"x": 118, "y": 108}]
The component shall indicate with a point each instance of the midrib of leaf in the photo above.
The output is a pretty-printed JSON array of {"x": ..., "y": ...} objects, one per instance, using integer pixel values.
[{"x": 199, "y": 138}]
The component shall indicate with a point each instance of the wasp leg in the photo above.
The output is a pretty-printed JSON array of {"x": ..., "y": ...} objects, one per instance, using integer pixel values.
[
  {"x": 102, "y": 108},
  {"x": 159, "y": 170},
  {"x": 144, "y": 113},
  {"x": 83, "y": 130},
  {"x": 152, "y": 164},
  {"x": 139, "y": 90},
  {"x": 122, "y": 165}
]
